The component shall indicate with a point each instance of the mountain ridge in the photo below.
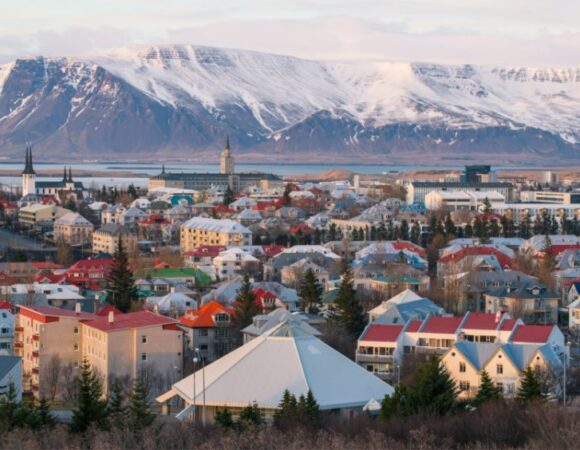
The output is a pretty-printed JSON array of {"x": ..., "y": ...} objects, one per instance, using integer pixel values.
[{"x": 181, "y": 101}]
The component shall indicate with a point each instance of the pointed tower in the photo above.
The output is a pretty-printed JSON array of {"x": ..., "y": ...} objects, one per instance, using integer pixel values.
[
  {"x": 64, "y": 175},
  {"x": 70, "y": 184},
  {"x": 227, "y": 160},
  {"x": 163, "y": 169},
  {"x": 28, "y": 174}
]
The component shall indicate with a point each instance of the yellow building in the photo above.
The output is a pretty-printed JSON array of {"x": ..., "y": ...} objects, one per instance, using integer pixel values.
[
  {"x": 41, "y": 333},
  {"x": 106, "y": 239},
  {"x": 73, "y": 229},
  {"x": 38, "y": 214},
  {"x": 203, "y": 231},
  {"x": 124, "y": 345}
]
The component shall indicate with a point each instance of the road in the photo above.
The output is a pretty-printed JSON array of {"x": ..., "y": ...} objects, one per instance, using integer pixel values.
[{"x": 9, "y": 239}]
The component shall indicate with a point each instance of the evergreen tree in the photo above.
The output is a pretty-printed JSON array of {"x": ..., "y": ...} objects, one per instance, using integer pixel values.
[
  {"x": 224, "y": 418},
  {"x": 286, "y": 199},
  {"x": 416, "y": 233},
  {"x": 121, "y": 289},
  {"x": 228, "y": 196},
  {"x": 486, "y": 206},
  {"x": 115, "y": 407},
  {"x": 90, "y": 408},
  {"x": 525, "y": 228},
  {"x": 433, "y": 389},
  {"x": 71, "y": 204},
  {"x": 530, "y": 388},
  {"x": 494, "y": 230},
  {"x": 468, "y": 231},
  {"x": 400, "y": 404},
  {"x": 251, "y": 415},
  {"x": 487, "y": 390},
  {"x": 404, "y": 230},
  {"x": 349, "y": 313},
  {"x": 11, "y": 413},
  {"x": 450, "y": 228},
  {"x": 45, "y": 417},
  {"x": 538, "y": 225},
  {"x": 312, "y": 410},
  {"x": 310, "y": 292},
  {"x": 332, "y": 232},
  {"x": 132, "y": 192},
  {"x": 140, "y": 415},
  {"x": 478, "y": 228},
  {"x": 245, "y": 305}
]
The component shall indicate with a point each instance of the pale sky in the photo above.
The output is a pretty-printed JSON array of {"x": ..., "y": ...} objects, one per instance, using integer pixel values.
[{"x": 514, "y": 32}]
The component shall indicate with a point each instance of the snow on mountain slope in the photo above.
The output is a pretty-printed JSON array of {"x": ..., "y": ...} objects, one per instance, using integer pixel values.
[
  {"x": 282, "y": 90},
  {"x": 182, "y": 100}
]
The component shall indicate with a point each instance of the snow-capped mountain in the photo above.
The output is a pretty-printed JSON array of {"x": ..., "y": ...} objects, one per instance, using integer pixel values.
[{"x": 178, "y": 100}]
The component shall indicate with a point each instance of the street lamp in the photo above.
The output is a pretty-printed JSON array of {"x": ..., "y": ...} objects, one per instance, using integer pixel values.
[
  {"x": 193, "y": 400},
  {"x": 203, "y": 382}
]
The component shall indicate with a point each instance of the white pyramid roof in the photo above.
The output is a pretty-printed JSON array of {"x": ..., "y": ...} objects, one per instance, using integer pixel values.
[{"x": 284, "y": 358}]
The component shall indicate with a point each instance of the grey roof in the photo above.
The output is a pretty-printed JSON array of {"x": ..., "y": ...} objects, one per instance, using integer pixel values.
[
  {"x": 525, "y": 289},
  {"x": 7, "y": 363},
  {"x": 445, "y": 184},
  {"x": 212, "y": 176},
  {"x": 478, "y": 353},
  {"x": 112, "y": 229}
]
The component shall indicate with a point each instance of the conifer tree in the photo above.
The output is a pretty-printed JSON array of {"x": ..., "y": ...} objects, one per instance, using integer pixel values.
[
  {"x": 349, "y": 313},
  {"x": 115, "y": 407},
  {"x": 310, "y": 292},
  {"x": 450, "y": 228},
  {"x": 132, "y": 192},
  {"x": 286, "y": 199},
  {"x": 433, "y": 390},
  {"x": 45, "y": 417},
  {"x": 404, "y": 230},
  {"x": 121, "y": 289},
  {"x": 487, "y": 390},
  {"x": 415, "y": 233},
  {"x": 312, "y": 410},
  {"x": 224, "y": 418},
  {"x": 251, "y": 415},
  {"x": 228, "y": 196},
  {"x": 530, "y": 388},
  {"x": 90, "y": 408},
  {"x": 140, "y": 414},
  {"x": 245, "y": 305}
]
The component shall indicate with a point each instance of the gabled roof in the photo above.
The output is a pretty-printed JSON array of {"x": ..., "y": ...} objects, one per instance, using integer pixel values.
[
  {"x": 7, "y": 363},
  {"x": 413, "y": 326},
  {"x": 381, "y": 333},
  {"x": 50, "y": 311},
  {"x": 478, "y": 353},
  {"x": 532, "y": 334},
  {"x": 284, "y": 358},
  {"x": 481, "y": 321},
  {"x": 204, "y": 317},
  {"x": 444, "y": 325},
  {"x": 105, "y": 310},
  {"x": 140, "y": 319}
]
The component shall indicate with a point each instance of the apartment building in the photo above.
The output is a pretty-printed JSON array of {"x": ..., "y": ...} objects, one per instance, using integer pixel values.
[
  {"x": 73, "y": 229},
  {"x": 38, "y": 215},
  {"x": 43, "y": 332},
  {"x": 106, "y": 239},
  {"x": 124, "y": 345},
  {"x": 210, "y": 329},
  {"x": 382, "y": 346},
  {"x": 204, "y": 231}
]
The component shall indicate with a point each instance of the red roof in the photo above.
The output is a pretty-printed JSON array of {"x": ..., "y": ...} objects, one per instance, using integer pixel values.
[
  {"x": 162, "y": 265},
  {"x": 508, "y": 324},
  {"x": 104, "y": 311},
  {"x": 414, "y": 326},
  {"x": 204, "y": 316},
  {"x": 532, "y": 334},
  {"x": 5, "y": 304},
  {"x": 480, "y": 321},
  {"x": 301, "y": 227},
  {"x": 503, "y": 259},
  {"x": 555, "y": 250},
  {"x": 382, "y": 333},
  {"x": 155, "y": 219},
  {"x": 444, "y": 325},
  {"x": 206, "y": 250},
  {"x": 138, "y": 319},
  {"x": 406, "y": 245},
  {"x": 6, "y": 280},
  {"x": 46, "y": 265},
  {"x": 223, "y": 209},
  {"x": 50, "y": 277},
  {"x": 273, "y": 250},
  {"x": 262, "y": 206},
  {"x": 91, "y": 264},
  {"x": 50, "y": 311}
]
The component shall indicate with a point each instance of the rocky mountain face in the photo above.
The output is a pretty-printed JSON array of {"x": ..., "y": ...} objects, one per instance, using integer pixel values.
[{"x": 181, "y": 101}]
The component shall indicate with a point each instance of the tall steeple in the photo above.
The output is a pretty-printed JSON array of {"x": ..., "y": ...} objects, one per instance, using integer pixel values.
[
  {"x": 28, "y": 174},
  {"x": 64, "y": 175},
  {"x": 28, "y": 168},
  {"x": 70, "y": 180},
  {"x": 226, "y": 160},
  {"x": 163, "y": 169}
]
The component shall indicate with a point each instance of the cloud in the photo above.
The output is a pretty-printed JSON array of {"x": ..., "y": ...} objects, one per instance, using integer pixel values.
[{"x": 330, "y": 38}]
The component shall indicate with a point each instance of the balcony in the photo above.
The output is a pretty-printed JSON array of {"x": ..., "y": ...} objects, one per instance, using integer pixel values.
[
  {"x": 36, "y": 370},
  {"x": 19, "y": 329},
  {"x": 35, "y": 354},
  {"x": 372, "y": 358},
  {"x": 36, "y": 337},
  {"x": 18, "y": 344}
]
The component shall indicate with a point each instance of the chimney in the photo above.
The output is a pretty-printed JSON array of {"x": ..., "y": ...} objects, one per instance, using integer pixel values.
[
  {"x": 156, "y": 308},
  {"x": 77, "y": 308},
  {"x": 111, "y": 317}
]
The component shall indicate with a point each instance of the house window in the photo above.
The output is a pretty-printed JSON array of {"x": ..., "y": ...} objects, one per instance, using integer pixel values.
[
  {"x": 143, "y": 339},
  {"x": 499, "y": 369},
  {"x": 5, "y": 330},
  {"x": 462, "y": 367},
  {"x": 203, "y": 347},
  {"x": 143, "y": 356},
  {"x": 76, "y": 347},
  {"x": 4, "y": 315},
  {"x": 499, "y": 386},
  {"x": 76, "y": 330},
  {"x": 464, "y": 385},
  {"x": 202, "y": 332}
]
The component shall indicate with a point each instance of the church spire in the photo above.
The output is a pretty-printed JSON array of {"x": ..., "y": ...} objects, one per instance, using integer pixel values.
[
  {"x": 64, "y": 175},
  {"x": 70, "y": 174},
  {"x": 162, "y": 168},
  {"x": 28, "y": 168},
  {"x": 228, "y": 142}
]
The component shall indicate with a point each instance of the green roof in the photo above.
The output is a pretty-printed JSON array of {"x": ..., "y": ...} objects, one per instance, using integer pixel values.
[
  {"x": 330, "y": 296},
  {"x": 201, "y": 278},
  {"x": 398, "y": 279}
]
